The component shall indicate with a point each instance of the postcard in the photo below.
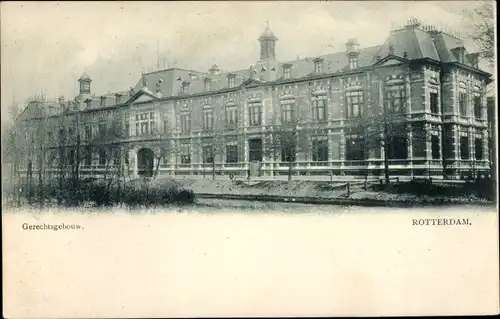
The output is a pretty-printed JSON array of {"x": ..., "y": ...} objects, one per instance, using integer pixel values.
[{"x": 244, "y": 159}]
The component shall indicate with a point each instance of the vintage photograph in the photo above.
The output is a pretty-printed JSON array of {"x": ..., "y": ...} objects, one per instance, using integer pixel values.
[{"x": 254, "y": 108}]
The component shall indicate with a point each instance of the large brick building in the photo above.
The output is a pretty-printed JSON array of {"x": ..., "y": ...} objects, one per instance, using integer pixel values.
[{"x": 173, "y": 119}]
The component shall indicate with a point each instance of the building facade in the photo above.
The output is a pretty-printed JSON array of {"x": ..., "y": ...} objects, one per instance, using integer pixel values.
[{"x": 178, "y": 121}]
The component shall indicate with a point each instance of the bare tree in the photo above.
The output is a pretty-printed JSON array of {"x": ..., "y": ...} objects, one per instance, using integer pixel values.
[
  {"x": 287, "y": 136},
  {"x": 482, "y": 25}
]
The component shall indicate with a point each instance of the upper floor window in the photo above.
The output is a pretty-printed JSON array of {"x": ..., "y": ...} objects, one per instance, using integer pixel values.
[
  {"x": 319, "y": 108},
  {"x": 102, "y": 129},
  {"x": 231, "y": 115},
  {"x": 61, "y": 133},
  {"x": 255, "y": 113},
  {"x": 49, "y": 135},
  {"x": 354, "y": 103},
  {"x": 186, "y": 122},
  {"x": 207, "y": 85},
  {"x": 396, "y": 98},
  {"x": 208, "y": 119},
  {"x": 144, "y": 123},
  {"x": 287, "y": 111},
  {"x": 478, "y": 145},
  {"x": 478, "y": 105},
  {"x": 208, "y": 154},
  {"x": 88, "y": 132},
  {"x": 102, "y": 156},
  {"x": 435, "y": 147},
  {"x": 462, "y": 103},
  {"x": 433, "y": 97}
]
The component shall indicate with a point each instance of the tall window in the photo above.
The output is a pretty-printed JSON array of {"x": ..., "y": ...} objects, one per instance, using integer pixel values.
[
  {"x": 88, "y": 132},
  {"x": 208, "y": 119},
  {"x": 127, "y": 124},
  {"x": 207, "y": 85},
  {"x": 287, "y": 111},
  {"x": 102, "y": 129},
  {"x": 71, "y": 157},
  {"x": 231, "y": 153},
  {"x": 477, "y": 106},
  {"x": 61, "y": 133},
  {"x": 436, "y": 154},
  {"x": 354, "y": 103},
  {"x": 419, "y": 141},
  {"x": 288, "y": 152},
  {"x": 185, "y": 153},
  {"x": 255, "y": 113},
  {"x": 49, "y": 135},
  {"x": 396, "y": 98},
  {"x": 462, "y": 103},
  {"x": 208, "y": 154},
  {"x": 320, "y": 149},
  {"x": 88, "y": 155},
  {"x": 255, "y": 149},
  {"x": 478, "y": 148},
  {"x": 287, "y": 72},
  {"x": 319, "y": 109},
  {"x": 230, "y": 81},
  {"x": 185, "y": 122},
  {"x": 144, "y": 123},
  {"x": 232, "y": 115},
  {"x": 464, "y": 147},
  {"x": 317, "y": 67},
  {"x": 398, "y": 147},
  {"x": 354, "y": 149},
  {"x": 434, "y": 103},
  {"x": 353, "y": 62},
  {"x": 102, "y": 157},
  {"x": 117, "y": 157}
]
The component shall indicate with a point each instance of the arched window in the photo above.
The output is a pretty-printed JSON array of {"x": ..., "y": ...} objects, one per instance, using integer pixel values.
[{"x": 395, "y": 96}]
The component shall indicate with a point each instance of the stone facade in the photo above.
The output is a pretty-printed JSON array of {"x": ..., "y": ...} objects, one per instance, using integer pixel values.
[{"x": 180, "y": 114}]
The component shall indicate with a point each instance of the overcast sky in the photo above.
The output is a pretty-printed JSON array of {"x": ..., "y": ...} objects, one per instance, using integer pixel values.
[{"x": 46, "y": 46}]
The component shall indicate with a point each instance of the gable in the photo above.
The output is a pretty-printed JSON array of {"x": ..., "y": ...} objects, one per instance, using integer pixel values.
[
  {"x": 391, "y": 60},
  {"x": 251, "y": 82},
  {"x": 141, "y": 97}
]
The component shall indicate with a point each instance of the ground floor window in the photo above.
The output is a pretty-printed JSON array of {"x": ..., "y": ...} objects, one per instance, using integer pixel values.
[
  {"x": 185, "y": 154},
  {"x": 435, "y": 147},
  {"x": 232, "y": 154},
  {"x": 320, "y": 150},
  {"x": 287, "y": 153},
  {"x": 102, "y": 157},
  {"x": 418, "y": 140},
  {"x": 208, "y": 154},
  {"x": 117, "y": 157},
  {"x": 479, "y": 148},
  {"x": 354, "y": 149},
  {"x": 255, "y": 149},
  {"x": 464, "y": 147},
  {"x": 397, "y": 148},
  {"x": 88, "y": 156}
]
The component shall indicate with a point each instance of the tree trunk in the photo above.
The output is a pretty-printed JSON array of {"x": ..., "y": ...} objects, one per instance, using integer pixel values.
[
  {"x": 213, "y": 169},
  {"x": 157, "y": 168},
  {"x": 386, "y": 165}
]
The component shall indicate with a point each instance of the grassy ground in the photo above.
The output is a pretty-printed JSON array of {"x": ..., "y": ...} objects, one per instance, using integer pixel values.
[{"x": 420, "y": 192}]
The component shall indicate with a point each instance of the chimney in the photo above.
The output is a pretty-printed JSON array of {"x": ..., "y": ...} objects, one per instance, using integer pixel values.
[
  {"x": 61, "y": 100},
  {"x": 118, "y": 97},
  {"x": 352, "y": 52},
  {"x": 473, "y": 59},
  {"x": 214, "y": 70}
]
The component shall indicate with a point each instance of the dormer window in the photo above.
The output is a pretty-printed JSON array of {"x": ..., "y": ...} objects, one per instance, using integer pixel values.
[
  {"x": 207, "y": 84},
  {"x": 185, "y": 87},
  {"x": 103, "y": 101},
  {"x": 230, "y": 80},
  {"x": 88, "y": 103},
  {"x": 353, "y": 62},
  {"x": 287, "y": 71},
  {"x": 318, "y": 66},
  {"x": 459, "y": 54},
  {"x": 118, "y": 98}
]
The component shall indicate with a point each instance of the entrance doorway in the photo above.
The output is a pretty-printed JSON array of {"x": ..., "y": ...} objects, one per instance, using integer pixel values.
[{"x": 145, "y": 162}]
